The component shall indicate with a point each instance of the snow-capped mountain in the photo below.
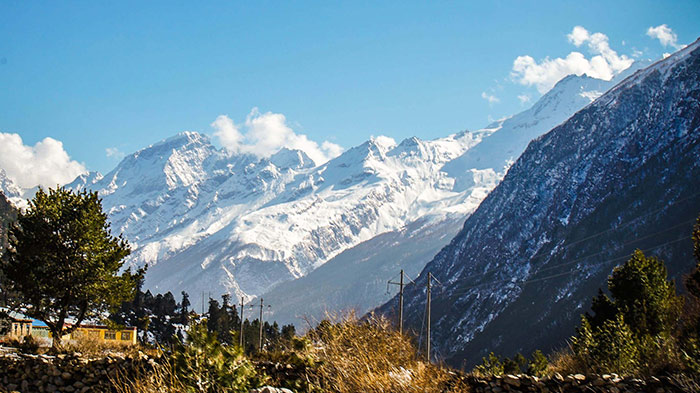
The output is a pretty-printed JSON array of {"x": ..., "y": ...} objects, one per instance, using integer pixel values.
[
  {"x": 622, "y": 173},
  {"x": 207, "y": 221},
  {"x": 511, "y": 136},
  {"x": 356, "y": 279},
  {"x": 12, "y": 191}
]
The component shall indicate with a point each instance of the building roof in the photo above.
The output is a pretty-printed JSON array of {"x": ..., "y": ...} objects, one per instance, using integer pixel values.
[{"x": 15, "y": 315}]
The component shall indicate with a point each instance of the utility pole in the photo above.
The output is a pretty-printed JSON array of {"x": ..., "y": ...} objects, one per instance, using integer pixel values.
[
  {"x": 401, "y": 286},
  {"x": 401, "y": 303},
  {"x": 427, "y": 342},
  {"x": 261, "y": 324},
  {"x": 240, "y": 336}
]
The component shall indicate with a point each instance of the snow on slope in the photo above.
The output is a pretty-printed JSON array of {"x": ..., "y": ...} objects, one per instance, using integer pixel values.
[
  {"x": 207, "y": 221},
  {"x": 512, "y": 135}
]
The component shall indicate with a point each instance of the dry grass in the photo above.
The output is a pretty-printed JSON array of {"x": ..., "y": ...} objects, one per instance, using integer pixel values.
[
  {"x": 565, "y": 362},
  {"x": 348, "y": 356},
  {"x": 160, "y": 379},
  {"x": 369, "y": 356}
]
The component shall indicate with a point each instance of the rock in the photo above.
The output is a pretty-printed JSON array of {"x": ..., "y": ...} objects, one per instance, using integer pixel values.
[
  {"x": 512, "y": 380},
  {"x": 66, "y": 375},
  {"x": 598, "y": 382},
  {"x": 270, "y": 389}
]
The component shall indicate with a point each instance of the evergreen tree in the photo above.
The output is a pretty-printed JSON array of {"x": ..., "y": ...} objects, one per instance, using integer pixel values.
[
  {"x": 630, "y": 326},
  {"x": 185, "y": 309},
  {"x": 224, "y": 325},
  {"x": 213, "y": 316},
  {"x": 644, "y": 296},
  {"x": 63, "y": 261}
]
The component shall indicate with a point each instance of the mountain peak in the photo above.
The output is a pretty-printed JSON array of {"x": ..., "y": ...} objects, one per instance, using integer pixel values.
[
  {"x": 292, "y": 159},
  {"x": 181, "y": 139},
  {"x": 8, "y": 186}
]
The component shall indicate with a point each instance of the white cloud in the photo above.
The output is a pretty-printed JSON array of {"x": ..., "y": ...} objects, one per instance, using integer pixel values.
[
  {"x": 264, "y": 134},
  {"x": 524, "y": 99},
  {"x": 578, "y": 35},
  {"x": 44, "y": 164},
  {"x": 492, "y": 99},
  {"x": 227, "y": 132},
  {"x": 665, "y": 35},
  {"x": 604, "y": 64},
  {"x": 113, "y": 152}
]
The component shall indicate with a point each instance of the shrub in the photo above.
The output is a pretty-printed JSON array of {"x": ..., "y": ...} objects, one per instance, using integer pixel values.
[
  {"x": 490, "y": 365},
  {"x": 204, "y": 365},
  {"x": 538, "y": 365}
]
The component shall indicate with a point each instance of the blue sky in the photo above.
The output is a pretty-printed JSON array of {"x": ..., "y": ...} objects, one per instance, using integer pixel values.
[{"x": 124, "y": 75}]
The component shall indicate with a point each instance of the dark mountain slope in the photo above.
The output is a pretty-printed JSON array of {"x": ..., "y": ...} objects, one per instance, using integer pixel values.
[{"x": 622, "y": 173}]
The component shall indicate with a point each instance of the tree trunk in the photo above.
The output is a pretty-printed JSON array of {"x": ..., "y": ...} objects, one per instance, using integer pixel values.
[{"x": 56, "y": 331}]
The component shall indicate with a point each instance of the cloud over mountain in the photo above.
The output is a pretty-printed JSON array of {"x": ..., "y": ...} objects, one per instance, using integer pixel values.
[
  {"x": 44, "y": 164},
  {"x": 665, "y": 35},
  {"x": 264, "y": 134},
  {"x": 605, "y": 63}
]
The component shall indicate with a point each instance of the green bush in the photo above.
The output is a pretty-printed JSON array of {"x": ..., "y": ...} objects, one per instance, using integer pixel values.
[
  {"x": 204, "y": 365},
  {"x": 538, "y": 365},
  {"x": 490, "y": 365}
]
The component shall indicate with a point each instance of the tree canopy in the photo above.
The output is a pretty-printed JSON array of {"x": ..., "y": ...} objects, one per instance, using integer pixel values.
[
  {"x": 635, "y": 323},
  {"x": 63, "y": 261}
]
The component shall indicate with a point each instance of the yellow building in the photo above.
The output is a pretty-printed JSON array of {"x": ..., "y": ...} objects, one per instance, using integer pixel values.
[{"x": 102, "y": 333}]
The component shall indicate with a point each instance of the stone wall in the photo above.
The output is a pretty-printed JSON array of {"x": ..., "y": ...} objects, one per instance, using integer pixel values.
[
  {"x": 580, "y": 383},
  {"x": 80, "y": 374},
  {"x": 66, "y": 373}
]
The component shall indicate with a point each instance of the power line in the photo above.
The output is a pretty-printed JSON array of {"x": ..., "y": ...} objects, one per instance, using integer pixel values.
[
  {"x": 617, "y": 228},
  {"x": 591, "y": 255},
  {"x": 573, "y": 261},
  {"x": 464, "y": 291}
]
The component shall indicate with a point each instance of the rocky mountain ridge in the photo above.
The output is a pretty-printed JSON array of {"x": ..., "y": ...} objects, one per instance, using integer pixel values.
[{"x": 622, "y": 173}]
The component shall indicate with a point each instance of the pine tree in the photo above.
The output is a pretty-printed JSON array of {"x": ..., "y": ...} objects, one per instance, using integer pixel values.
[
  {"x": 63, "y": 261},
  {"x": 644, "y": 296},
  {"x": 185, "y": 309},
  {"x": 628, "y": 328},
  {"x": 213, "y": 316}
]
